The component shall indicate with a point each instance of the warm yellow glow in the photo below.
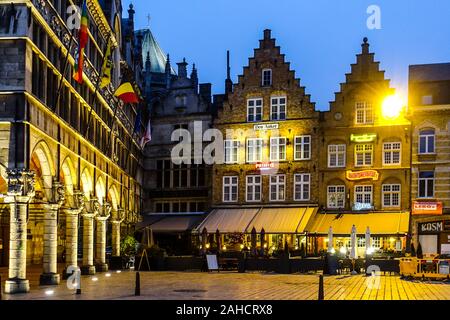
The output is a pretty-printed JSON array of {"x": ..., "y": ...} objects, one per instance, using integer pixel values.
[
  {"x": 207, "y": 246},
  {"x": 224, "y": 248},
  {"x": 343, "y": 250},
  {"x": 392, "y": 106},
  {"x": 265, "y": 245},
  {"x": 242, "y": 246}
]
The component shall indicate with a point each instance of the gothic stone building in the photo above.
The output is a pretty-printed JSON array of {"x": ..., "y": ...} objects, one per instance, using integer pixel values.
[
  {"x": 364, "y": 163},
  {"x": 269, "y": 177},
  {"x": 429, "y": 101},
  {"x": 65, "y": 183}
]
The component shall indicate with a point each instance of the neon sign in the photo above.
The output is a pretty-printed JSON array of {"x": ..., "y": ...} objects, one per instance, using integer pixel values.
[
  {"x": 367, "y": 137},
  {"x": 358, "y": 206},
  {"x": 265, "y": 126},
  {"x": 360, "y": 175},
  {"x": 265, "y": 165}
]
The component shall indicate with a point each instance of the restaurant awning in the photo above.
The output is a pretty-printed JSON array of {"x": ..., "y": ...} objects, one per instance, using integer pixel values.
[
  {"x": 282, "y": 220},
  {"x": 174, "y": 223},
  {"x": 228, "y": 220},
  {"x": 379, "y": 223}
]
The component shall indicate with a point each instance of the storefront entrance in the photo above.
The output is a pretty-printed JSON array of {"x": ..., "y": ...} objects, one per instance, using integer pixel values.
[
  {"x": 434, "y": 237},
  {"x": 429, "y": 243}
]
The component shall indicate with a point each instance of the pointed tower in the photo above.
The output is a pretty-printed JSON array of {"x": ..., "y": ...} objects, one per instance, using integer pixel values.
[
  {"x": 194, "y": 78},
  {"x": 148, "y": 77},
  {"x": 182, "y": 68},
  {"x": 228, "y": 82},
  {"x": 168, "y": 72}
]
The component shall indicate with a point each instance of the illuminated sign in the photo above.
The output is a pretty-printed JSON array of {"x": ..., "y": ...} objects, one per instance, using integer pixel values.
[
  {"x": 265, "y": 165},
  {"x": 433, "y": 208},
  {"x": 358, "y": 206},
  {"x": 360, "y": 175},
  {"x": 431, "y": 227},
  {"x": 266, "y": 126},
  {"x": 367, "y": 137}
]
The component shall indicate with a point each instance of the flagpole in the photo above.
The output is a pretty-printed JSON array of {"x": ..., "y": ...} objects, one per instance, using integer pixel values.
[
  {"x": 99, "y": 79},
  {"x": 66, "y": 63}
]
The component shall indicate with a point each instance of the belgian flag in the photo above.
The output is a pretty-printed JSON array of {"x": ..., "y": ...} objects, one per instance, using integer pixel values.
[{"x": 126, "y": 93}]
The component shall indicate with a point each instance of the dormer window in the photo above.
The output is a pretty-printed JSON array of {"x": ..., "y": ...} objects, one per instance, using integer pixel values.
[
  {"x": 364, "y": 112},
  {"x": 266, "y": 77}
]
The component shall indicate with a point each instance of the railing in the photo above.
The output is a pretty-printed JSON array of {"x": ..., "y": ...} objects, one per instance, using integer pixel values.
[{"x": 425, "y": 268}]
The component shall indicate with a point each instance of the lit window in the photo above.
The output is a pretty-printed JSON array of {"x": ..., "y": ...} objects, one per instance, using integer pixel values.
[
  {"x": 426, "y": 184},
  {"x": 254, "y": 110},
  {"x": 254, "y": 150},
  {"x": 230, "y": 189},
  {"x": 278, "y": 108},
  {"x": 336, "y": 155},
  {"x": 364, "y": 113},
  {"x": 426, "y": 141},
  {"x": 302, "y": 184},
  {"x": 302, "y": 145},
  {"x": 231, "y": 151},
  {"x": 277, "y": 149},
  {"x": 266, "y": 77},
  {"x": 361, "y": 243},
  {"x": 375, "y": 242},
  {"x": 336, "y": 197},
  {"x": 427, "y": 100},
  {"x": 391, "y": 153},
  {"x": 363, "y": 195},
  {"x": 277, "y": 187},
  {"x": 253, "y": 188},
  {"x": 391, "y": 195},
  {"x": 363, "y": 155}
]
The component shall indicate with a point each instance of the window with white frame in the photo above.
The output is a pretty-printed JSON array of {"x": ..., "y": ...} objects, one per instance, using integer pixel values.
[
  {"x": 230, "y": 188},
  {"x": 302, "y": 148},
  {"x": 302, "y": 183},
  {"x": 364, "y": 113},
  {"x": 426, "y": 184},
  {"x": 391, "y": 153},
  {"x": 426, "y": 141},
  {"x": 277, "y": 149},
  {"x": 266, "y": 77},
  {"x": 375, "y": 242},
  {"x": 336, "y": 155},
  {"x": 254, "y": 150},
  {"x": 253, "y": 188},
  {"x": 231, "y": 151},
  {"x": 277, "y": 187},
  {"x": 363, "y": 194},
  {"x": 363, "y": 155},
  {"x": 336, "y": 197},
  {"x": 278, "y": 108},
  {"x": 391, "y": 195},
  {"x": 254, "y": 109},
  {"x": 361, "y": 243}
]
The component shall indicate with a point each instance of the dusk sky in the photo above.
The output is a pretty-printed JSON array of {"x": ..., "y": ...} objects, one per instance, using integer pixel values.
[{"x": 320, "y": 38}]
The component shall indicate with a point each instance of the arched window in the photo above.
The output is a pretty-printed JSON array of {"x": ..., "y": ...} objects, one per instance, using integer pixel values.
[{"x": 426, "y": 141}]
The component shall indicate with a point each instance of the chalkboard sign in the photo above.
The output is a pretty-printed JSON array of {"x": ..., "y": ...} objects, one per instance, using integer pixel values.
[{"x": 211, "y": 259}]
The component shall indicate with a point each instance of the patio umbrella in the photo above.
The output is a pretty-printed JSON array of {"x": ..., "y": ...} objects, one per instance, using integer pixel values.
[
  {"x": 367, "y": 239},
  {"x": 253, "y": 236},
  {"x": 204, "y": 238},
  {"x": 353, "y": 243},
  {"x": 330, "y": 240},
  {"x": 219, "y": 245},
  {"x": 263, "y": 234}
]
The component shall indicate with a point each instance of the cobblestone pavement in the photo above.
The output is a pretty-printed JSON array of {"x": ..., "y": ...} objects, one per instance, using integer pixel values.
[{"x": 232, "y": 285}]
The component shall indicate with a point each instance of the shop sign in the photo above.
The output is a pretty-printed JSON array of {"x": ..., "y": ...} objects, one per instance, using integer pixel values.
[
  {"x": 434, "y": 208},
  {"x": 431, "y": 227},
  {"x": 358, "y": 206},
  {"x": 265, "y": 126},
  {"x": 367, "y": 137},
  {"x": 361, "y": 175},
  {"x": 265, "y": 165}
]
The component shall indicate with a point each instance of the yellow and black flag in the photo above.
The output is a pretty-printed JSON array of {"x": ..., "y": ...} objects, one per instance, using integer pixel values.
[{"x": 106, "y": 67}]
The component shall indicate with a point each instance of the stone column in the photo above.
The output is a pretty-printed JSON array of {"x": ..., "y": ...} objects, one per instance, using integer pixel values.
[
  {"x": 72, "y": 218},
  {"x": 100, "y": 243},
  {"x": 50, "y": 274},
  {"x": 20, "y": 192},
  {"x": 118, "y": 218},
  {"x": 88, "y": 267}
]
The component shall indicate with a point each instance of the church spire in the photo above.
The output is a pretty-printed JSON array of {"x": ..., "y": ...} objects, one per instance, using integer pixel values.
[
  {"x": 228, "y": 82},
  {"x": 194, "y": 77},
  {"x": 168, "y": 71}
]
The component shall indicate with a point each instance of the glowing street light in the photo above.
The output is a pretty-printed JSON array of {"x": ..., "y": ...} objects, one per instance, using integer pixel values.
[{"x": 392, "y": 106}]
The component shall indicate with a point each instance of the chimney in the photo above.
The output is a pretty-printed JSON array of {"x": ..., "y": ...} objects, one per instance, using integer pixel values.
[
  {"x": 205, "y": 91},
  {"x": 194, "y": 78},
  {"x": 267, "y": 34},
  {"x": 365, "y": 46},
  {"x": 228, "y": 82},
  {"x": 131, "y": 12},
  {"x": 182, "y": 71}
]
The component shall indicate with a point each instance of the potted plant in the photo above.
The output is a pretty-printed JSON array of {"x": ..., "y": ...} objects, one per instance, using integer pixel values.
[
  {"x": 128, "y": 249},
  {"x": 156, "y": 256}
]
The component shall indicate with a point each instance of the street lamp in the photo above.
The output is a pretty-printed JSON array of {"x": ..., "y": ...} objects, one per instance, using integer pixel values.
[{"x": 392, "y": 106}]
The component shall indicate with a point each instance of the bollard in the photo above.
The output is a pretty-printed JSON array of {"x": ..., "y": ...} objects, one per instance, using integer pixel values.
[
  {"x": 321, "y": 293},
  {"x": 137, "y": 290},
  {"x": 1, "y": 290},
  {"x": 79, "y": 286}
]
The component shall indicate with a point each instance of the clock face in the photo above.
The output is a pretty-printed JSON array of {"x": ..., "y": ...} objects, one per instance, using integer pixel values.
[{"x": 338, "y": 116}]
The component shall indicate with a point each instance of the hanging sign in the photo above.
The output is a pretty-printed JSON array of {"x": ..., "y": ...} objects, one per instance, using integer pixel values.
[
  {"x": 360, "y": 175},
  {"x": 432, "y": 208},
  {"x": 358, "y": 206},
  {"x": 265, "y": 126}
]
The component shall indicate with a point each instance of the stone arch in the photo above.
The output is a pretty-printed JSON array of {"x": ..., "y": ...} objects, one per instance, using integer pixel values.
[
  {"x": 42, "y": 163},
  {"x": 86, "y": 183},
  {"x": 113, "y": 197},
  {"x": 100, "y": 189},
  {"x": 68, "y": 175}
]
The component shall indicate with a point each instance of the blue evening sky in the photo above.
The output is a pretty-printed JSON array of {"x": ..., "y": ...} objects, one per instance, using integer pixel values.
[{"x": 319, "y": 37}]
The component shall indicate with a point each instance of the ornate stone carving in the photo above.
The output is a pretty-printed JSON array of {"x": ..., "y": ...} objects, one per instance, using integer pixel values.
[
  {"x": 106, "y": 210},
  {"x": 78, "y": 197},
  {"x": 58, "y": 192},
  {"x": 20, "y": 182}
]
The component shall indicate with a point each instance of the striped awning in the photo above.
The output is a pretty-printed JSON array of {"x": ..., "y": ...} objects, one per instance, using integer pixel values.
[
  {"x": 228, "y": 220},
  {"x": 379, "y": 223}
]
